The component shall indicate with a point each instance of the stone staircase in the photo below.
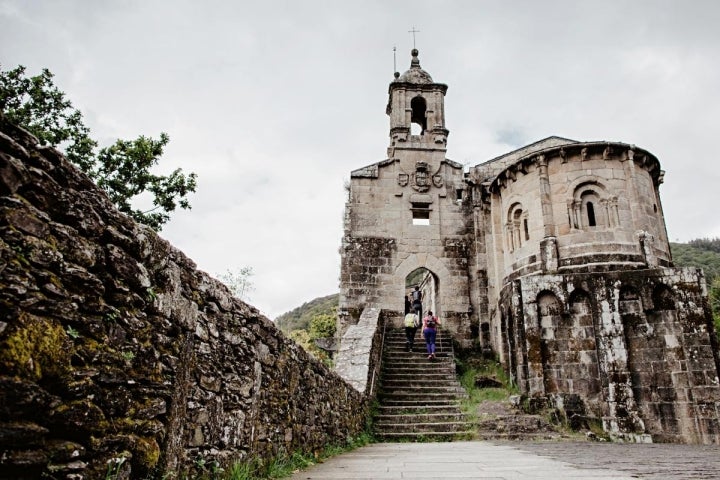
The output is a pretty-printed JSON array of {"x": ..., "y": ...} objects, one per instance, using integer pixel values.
[
  {"x": 419, "y": 398},
  {"x": 497, "y": 421}
]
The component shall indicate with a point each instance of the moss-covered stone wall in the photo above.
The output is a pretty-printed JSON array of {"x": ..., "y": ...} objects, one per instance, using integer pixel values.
[
  {"x": 116, "y": 352},
  {"x": 637, "y": 348}
]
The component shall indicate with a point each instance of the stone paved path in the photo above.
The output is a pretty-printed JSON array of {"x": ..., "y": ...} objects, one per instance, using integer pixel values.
[{"x": 520, "y": 461}]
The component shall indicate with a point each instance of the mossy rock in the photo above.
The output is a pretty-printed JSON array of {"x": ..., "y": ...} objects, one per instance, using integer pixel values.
[{"x": 36, "y": 348}]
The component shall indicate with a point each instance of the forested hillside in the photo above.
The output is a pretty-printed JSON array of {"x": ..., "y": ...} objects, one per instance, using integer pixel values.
[
  {"x": 703, "y": 253},
  {"x": 299, "y": 318}
]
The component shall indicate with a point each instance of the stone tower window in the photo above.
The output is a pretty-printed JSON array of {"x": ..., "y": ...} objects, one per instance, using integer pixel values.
[
  {"x": 592, "y": 207},
  {"x": 591, "y": 217},
  {"x": 420, "y": 213},
  {"x": 590, "y": 214},
  {"x": 517, "y": 230},
  {"x": 419, "y": 107}
]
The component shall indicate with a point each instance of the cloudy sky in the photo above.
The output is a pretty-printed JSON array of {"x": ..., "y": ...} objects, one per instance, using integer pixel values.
[{"x": 272, "y": 103}]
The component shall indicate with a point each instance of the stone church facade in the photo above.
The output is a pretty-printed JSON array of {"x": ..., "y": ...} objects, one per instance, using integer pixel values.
[{"x": 554, "y": 257}]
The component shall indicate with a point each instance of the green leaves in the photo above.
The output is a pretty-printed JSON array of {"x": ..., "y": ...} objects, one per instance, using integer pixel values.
[
  {"x": 36, "y": 104},
  {"x": 238, "y": 281},
  {"x": 322, "y": 326},
  {"x": 123, "y": 170},
  {"x": 714, "y": 298}
]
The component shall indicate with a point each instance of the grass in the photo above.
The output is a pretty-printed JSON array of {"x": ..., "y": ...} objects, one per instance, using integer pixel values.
[
  {"x": 472, "y": 367},
  {"x": 285, "y": 465}
]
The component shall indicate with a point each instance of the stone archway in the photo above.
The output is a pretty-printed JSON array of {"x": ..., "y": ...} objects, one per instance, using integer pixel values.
[
  {"x": 428, "y": 285},
  {"x": 428, "y": 262}
]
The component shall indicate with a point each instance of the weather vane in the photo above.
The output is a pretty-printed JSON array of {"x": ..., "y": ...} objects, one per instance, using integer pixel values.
[{"x": 413, "y": 31}]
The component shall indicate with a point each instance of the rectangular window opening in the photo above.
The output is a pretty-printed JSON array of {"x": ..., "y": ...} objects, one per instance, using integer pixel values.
[{"x": 420, "y": 214}]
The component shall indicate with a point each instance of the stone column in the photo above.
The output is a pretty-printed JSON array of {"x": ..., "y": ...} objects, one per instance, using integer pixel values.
[
  {"x": 545, "y": 200},
  {"x": 630, "y": 180},
  {"x": 548, "y": 245},
  {"x": 623, "y": 416},
  {"x": 577, "y": 211},
  {"x": 549, "y": 254}
]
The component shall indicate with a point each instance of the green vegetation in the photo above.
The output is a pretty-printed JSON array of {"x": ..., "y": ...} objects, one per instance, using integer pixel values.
[
  {"x": 113, "y": 467},
  {"x": 470, "y": 367},
  {"x": 299, "y": 318},
  {"x": 322, "y": 326},
  {"x": 703, "y": 253},
  {"x": 714, "y": 298},
  {"x": 123, "y": 169},
  {"x": 712, "y": 244},
  {"x": 36, "y": 348},
  {"x": 238, "y": 281},
  {"x": 312, "y": 321},
  {"x": 282, "y": 466}
]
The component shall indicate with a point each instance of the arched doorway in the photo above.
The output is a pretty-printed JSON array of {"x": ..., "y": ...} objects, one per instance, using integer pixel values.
[{"x": 428, "y": 285}]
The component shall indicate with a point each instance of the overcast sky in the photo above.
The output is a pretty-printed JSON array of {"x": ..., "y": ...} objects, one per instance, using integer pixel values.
[{"x": 273, "y": 103}]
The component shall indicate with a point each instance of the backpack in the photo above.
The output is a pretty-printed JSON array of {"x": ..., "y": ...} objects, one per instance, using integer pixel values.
[
  {"x": 410, "y": 320},
  {"x": 431, "y": 322},
  {"x": 416, "y": 295}
]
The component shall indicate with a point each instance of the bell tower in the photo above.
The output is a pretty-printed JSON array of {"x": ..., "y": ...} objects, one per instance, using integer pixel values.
[{"x": 416, "y": 110}]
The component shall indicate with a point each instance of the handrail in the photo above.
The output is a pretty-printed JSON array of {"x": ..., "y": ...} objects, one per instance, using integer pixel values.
[{"x": 382, "y": 347}]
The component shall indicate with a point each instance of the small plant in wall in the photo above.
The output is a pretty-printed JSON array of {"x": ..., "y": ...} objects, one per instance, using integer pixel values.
[
  {"x": 128, "y": 356},
  {"x": 113, "y": 467},
  {"x": 71, "y": 332}
]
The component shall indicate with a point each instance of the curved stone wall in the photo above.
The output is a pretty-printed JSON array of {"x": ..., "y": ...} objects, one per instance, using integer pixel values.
[
  {"x": 113, "y": 346},
  {"x": 598, "y": 201}
]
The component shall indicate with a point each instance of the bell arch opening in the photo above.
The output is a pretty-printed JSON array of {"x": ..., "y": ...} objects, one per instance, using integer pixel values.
[{"x": 418, "y": 105}]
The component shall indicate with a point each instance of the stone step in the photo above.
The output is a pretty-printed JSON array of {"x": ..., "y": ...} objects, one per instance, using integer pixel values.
[
  {"x": 515, "y": 424},
  {"x": 424, "y": 436},
  {"x": 419, "y": 398},
  {"x": 418, "y": 345},
  {"x": 440, "y": 387},
  {"x": 430, "y": 366},
  {"x": 421, "y": 427},
  {"x": 418, "y": 409},
  {"x": 431, "y": 417},
  {"x": 418, "y": 371},
  {"x": 525, "y": 437},
  {"x": 418, "y": 340},
  {"x": 424, "y": 392},
  {"x": 419, "y": 363},
  {"x": 444, "y": 339},
  {"x": 421, "y": 382},
  {"x": 418, "y": 348},
  {"x": 412, "y": 375},
  {"x": 424, "y": 403}
]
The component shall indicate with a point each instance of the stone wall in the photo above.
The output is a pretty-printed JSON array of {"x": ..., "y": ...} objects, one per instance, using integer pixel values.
[
  {"x": 637, "y": 348},
  {"x": 113, "y": 345},
  {"x": 359, "y": 357}
]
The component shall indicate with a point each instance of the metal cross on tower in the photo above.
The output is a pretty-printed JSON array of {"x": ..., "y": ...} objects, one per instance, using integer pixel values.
[{"x": 413, "y": 31}]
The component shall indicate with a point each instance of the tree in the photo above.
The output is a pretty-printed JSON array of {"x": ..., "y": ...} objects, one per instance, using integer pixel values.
[
  {"x": 238, "y": 281},
  {"x": 712, "y": 244},
  {"x": 123, "y": 170},
  {"x": 322, "y": 326},
  {"x": 303, "y": 338},
  {"x": 714, "y": 298}
]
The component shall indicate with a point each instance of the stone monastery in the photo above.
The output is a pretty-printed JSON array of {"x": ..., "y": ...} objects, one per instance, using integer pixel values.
[{"x": 553, "y": 257}]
